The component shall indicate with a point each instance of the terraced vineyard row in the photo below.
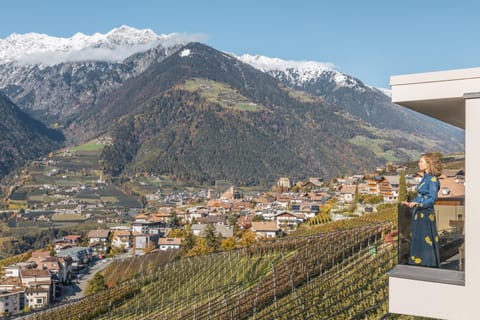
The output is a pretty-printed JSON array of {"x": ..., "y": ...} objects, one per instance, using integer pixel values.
[
  {"x": 355, "y": 289},
  {"x": 286, "y": 265},
  {"x": 254, "y": 282}
]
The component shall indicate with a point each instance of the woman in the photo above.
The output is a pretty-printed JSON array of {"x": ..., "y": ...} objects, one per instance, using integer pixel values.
[{"x": 424, "y": 245}]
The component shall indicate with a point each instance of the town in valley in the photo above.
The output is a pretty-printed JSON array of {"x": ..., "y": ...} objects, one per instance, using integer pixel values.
[{"x": 64, "y": 220}]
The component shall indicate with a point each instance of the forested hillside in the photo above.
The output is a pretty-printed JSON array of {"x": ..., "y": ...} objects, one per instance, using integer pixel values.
[
  {"x": 205, "y": 115},
  {"x": 22, "y": 137}
]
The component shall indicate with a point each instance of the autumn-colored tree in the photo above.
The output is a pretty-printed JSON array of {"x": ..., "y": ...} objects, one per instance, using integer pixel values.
[
  {"x": 248, "y": 238},
  {"x": 177, "y": 233},
  {"x": 187, "y": 243},
  {"x": 228, "y": 244},
  {"x": 200, "y": 248},
  {"x": 150, "y": 247}
]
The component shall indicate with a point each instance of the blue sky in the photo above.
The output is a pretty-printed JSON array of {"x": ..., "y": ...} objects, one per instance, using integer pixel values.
[{"x": 370, "y": 40}]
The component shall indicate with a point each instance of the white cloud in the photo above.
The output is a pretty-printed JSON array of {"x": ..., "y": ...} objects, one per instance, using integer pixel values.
[{"x": 115, "y": 46}]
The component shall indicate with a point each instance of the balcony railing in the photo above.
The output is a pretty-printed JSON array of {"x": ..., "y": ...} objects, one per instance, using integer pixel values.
[{"x": 451, "y": 239}]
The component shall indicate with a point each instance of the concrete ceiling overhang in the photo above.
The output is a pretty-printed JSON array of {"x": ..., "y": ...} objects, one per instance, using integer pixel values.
[{"x": 440, "y": 95}]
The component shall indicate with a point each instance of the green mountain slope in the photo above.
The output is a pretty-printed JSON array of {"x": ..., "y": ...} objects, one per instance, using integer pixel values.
[
  {"x": 201, "y": 123},
  {"x": 22, "y": 138},
  {"x": 203, "y": 115}
]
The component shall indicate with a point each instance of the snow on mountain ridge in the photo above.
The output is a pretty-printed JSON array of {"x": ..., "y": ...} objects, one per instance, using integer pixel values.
[
  {"x": 114, "y": 46},
  {"x": 300, "y": 72},
  {"x": 269, "y": 64}
]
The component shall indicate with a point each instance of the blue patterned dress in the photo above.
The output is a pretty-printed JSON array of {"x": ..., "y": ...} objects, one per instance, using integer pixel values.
[{"x": 424, "y": 245}]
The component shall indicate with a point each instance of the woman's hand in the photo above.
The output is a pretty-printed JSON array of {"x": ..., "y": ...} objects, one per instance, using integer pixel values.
[{"x": 410, "y": 204}]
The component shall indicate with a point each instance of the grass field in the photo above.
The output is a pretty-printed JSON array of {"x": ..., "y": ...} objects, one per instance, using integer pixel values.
[
  {"x": 301, "y": 96},
  {"x": 222, "y": 94},
  {"x": 93, "y": 145},
  {"x": 68, "y": 217}
]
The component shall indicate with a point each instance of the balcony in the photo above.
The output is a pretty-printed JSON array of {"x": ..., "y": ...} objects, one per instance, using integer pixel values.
[
  {"x": 447, "y": 292},
  {"x": 451, "y": 245}
]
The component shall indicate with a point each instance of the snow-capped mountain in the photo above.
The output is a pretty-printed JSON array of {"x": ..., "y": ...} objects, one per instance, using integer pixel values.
[
  {"x": 352, "y": 96},
  {"x": 89, "y": 85},
  {"x": 55, "y": 78},
  {"x": 114, "y": 46},
  {"x": 301, "y": 73}
]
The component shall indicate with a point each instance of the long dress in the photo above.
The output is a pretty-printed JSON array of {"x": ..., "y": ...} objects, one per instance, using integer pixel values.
[{"x": 424, "y": 243}]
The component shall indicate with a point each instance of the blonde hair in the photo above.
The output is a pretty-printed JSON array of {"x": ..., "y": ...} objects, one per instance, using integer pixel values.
[{"x": 433, "y": 162}]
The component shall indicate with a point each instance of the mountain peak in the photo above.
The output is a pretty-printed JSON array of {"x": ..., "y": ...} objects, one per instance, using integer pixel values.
[{"x": 114, "y": 46}]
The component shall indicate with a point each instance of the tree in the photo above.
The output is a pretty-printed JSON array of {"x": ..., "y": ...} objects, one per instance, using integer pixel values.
[
  {"x": 232, "y": 219},
  {"x": 96, "y": 284},
  {"x": 228, "y": 244},
  {"x": 257, "y": 218},
  {"x": 211, "y": 238},
  {"x": 357, "y": 195},
  {"x": 174, "y": 221},
  {"x": 177, "y": 233},
  {"x": 150, "y": 247},
  {"x": 248, "y": 238},
  {"x": 200, "y": 248},
  {"x": 402, "y": 188},
  {"x": 188, "y": 242}
]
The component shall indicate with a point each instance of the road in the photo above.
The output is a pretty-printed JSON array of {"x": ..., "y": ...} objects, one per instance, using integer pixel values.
[{"x": 76, "y": 290}]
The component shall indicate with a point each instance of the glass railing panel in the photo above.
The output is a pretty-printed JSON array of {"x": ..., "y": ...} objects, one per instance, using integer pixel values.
[{"x": 450, "y": 226}]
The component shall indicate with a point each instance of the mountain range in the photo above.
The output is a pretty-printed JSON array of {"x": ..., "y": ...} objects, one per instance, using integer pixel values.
[{"x": 185, "y": 109}]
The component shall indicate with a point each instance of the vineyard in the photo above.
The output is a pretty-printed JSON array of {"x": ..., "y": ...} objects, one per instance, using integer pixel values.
[{"x": 329, "y": 275}]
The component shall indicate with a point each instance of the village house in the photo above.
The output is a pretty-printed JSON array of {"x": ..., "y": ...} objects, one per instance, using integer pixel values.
[
  {"x": 80, "y": 256},
  {"x": 39, "y": 287},
  {"x": 142, "y": 243},
  {"x": 268, "y": 213},
  {"x": 388, "y": 187},
  {"x": 122, "y": 239},
  {"x": 67, "y": 242},
  {"x": 219, "y": 219},
  {"x": 165, "y": 244},
  {"x": 162, "y": 217},
  {"x": 231, "y": 194},
  {"x": 225, "y": 231},
  {"x": 245, "y": 222},
  {"x": 59, "y": 268},
  {"x": 99, "y": 241},
  {"x": 147, "y": 225},
  {"x": 73, "y": 239},
  {"x": 347, "y": 192},
  {"x": 287, "y": 221},
  {"x": 305, "y": 210},
  {"x": 265, "y": 229},
  {"x": 284, "y": 183},
  {"x": 13, "y": 270}
]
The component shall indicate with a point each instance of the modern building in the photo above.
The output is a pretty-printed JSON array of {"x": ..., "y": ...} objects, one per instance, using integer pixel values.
[
  {"x": 12, "y": 300},
  {"x": 80, "y": 256},
  {"x": 453, "y": 97}
]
